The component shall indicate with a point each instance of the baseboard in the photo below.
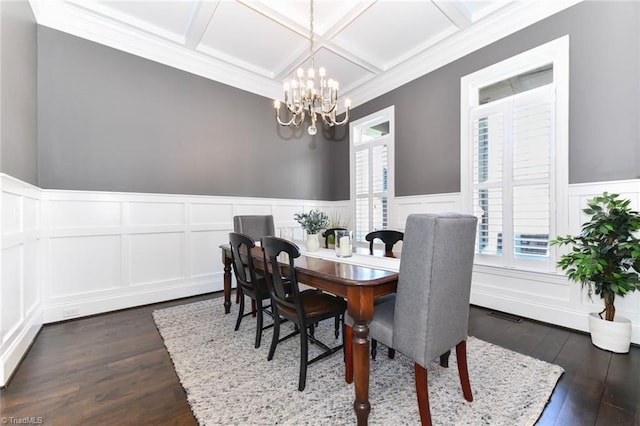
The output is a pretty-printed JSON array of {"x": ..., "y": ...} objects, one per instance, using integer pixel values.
[
  {"x": 17, "y": 350},
  {"x": 99, "y": 305},
  {"x": 575, "y": 319}
]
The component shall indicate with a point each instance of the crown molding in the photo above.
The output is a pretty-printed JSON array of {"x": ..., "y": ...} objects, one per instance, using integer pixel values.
[
  {"x": 491, "y": 29},
  {"x": 81, "y": 22}
]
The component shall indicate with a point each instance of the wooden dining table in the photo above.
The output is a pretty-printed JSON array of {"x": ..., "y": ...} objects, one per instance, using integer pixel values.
[{"x": 358, "y": 284}]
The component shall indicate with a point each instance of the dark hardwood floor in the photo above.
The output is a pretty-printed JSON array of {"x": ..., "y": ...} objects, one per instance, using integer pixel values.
[{"x": 113, "y": 369}]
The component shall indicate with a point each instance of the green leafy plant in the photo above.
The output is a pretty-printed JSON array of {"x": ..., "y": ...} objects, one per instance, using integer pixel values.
[
  {"x": 605, "y": 256},
  {"x": 313, "y": 222}
]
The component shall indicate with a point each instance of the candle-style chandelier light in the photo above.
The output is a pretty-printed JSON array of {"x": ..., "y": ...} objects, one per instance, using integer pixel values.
[{"x": 303, "y": 97}]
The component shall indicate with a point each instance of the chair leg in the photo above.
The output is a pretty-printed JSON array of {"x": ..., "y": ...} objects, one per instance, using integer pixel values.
[
  {"x": 259, "y": 325},
  {"x": 422, "y": 392},
  {"x": 348, "y": 354},
  {"x": 304, "y": 356},
  {"x": 276, "y": 335},
  {"x": 374, "y": 349},
  {"x": 240, "y": 311},
  {"x": 337, "y": 326},
  {"x": 461, "y": 357},
  {"x": 391, "y": 353},
  {"x": 444, "y": 359},
  {"x": 253, "y": 307},
  {"x": 237, "y": 295}
]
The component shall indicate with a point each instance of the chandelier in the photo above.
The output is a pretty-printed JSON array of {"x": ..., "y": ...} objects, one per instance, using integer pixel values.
[{"x": 303, "y": 97}]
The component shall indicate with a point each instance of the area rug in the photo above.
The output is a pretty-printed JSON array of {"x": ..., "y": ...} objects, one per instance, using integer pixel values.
[{"x": 229, "y": 382}]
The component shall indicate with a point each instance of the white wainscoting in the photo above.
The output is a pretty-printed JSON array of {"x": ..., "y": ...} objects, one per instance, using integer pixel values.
[
  {"x": 20, "y": 260},
  {"x": 107, "y": 251},
  {"x": 546, "y": 297}
]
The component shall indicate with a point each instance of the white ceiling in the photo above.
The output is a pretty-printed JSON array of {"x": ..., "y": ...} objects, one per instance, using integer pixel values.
[{"x": 369, "y": 46}]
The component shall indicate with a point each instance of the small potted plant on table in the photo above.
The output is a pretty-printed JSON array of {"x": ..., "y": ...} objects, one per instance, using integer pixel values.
[
  {"x": 312, "y": 222},
  {"x": 605, "y": 258}
]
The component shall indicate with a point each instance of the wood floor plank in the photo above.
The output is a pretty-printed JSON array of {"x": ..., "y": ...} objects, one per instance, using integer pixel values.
[
  {"x": 114, "y": 369},
  {"x": 619, "y": 391}
]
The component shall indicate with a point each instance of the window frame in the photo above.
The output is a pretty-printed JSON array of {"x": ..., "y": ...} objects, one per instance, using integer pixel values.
[
  {"x": 557, "y": 53},
  {"x": 355, "y": 127}
]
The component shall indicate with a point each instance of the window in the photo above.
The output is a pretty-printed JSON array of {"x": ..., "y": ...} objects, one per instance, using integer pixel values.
[
  {"x": 514, "y": 156},
  {"x": 371, "y": 171}
]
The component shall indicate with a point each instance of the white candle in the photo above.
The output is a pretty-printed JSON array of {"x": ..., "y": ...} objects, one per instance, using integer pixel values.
[{"x": 345, "y": 247}]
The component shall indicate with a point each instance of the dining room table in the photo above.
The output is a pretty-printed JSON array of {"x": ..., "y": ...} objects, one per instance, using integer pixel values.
[{"x": 360, "y": 279}]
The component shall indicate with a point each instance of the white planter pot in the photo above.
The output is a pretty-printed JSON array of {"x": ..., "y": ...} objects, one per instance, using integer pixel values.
[
  {"x": 313, "y": 242},
  {"x": 614, "y": 336}
]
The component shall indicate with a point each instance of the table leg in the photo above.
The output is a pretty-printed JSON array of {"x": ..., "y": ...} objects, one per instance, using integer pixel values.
[
  {"x": 360, "y": 306},
  {"x": 227, "y": 282}
]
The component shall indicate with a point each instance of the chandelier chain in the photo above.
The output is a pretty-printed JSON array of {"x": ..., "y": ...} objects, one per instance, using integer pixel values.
[{"x": 313, "y": 65}]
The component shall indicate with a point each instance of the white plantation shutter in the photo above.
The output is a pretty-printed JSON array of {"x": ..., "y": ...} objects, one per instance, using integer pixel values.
[
  {"x": 371, "y": 172},
  {"x": 488, "y": 181},
  {"x": 362, "y": 193},
  {"x": 512, "y": 143},
  {"x": 532, "y": 145}
]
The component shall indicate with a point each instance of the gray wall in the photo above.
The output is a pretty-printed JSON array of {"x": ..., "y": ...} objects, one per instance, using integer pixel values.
[
  {"x": 604, "y": 132},
  {"x": 18, "y": 91},
  {"x": 112, "y": 121}
]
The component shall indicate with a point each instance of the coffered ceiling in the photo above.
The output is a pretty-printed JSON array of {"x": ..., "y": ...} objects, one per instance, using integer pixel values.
[{"x": 369, "y": 46}]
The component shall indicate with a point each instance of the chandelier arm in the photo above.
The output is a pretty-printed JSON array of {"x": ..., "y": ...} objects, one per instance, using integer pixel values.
[
  {"x": 346, "y": 118},
  {"x": 328, "y": 119},
  {"x": 290, "y": 121},
  {"x": 295, "y": 110},
  {"x": 301, "y": 116},
  {"x": 330, "y": 110}
]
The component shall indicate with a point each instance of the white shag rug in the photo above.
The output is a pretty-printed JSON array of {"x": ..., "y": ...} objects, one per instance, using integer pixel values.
[{"x": 229, "y": 382}]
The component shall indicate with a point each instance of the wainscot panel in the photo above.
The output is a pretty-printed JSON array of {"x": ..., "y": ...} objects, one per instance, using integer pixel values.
[
  {"x": 107, "y": 251},
  {"x": 20, "y": 261}
]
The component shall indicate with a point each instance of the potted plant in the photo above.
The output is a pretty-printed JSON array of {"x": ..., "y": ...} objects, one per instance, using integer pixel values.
[
  {"x": 605, "y": 258},
  {"x": 312, "y": 222}
]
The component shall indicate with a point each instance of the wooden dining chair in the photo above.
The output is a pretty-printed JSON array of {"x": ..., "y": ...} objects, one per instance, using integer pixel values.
[
  {"x": 303, "y": 308},
  {"x": 249, "y": 282},
  {"x": 387, "y": 236},
  {"x": 430, "y": 312},
  {"x": 330, "y": 232}
]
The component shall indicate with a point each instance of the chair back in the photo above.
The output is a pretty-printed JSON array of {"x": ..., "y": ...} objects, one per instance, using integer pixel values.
[
  {"x": 241, "y": 259},
  {"x": 283, "y": 288},
  {"x": 388, "y": 237},
  {"x": 255, "y": 226},
  {"x": 330, "y": 231},
  {"x": 434, "y": 283}
]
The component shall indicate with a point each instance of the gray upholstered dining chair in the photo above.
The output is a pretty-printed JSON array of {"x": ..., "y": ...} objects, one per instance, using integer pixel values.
[
  {"x": 430, "y": 312},
  {"x": 256, "y": 227}
]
